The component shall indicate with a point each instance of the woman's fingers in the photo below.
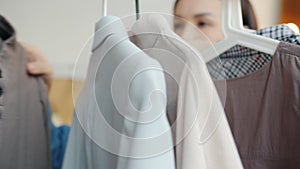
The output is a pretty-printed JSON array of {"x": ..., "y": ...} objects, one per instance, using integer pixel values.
[{"x": 38, "y": 64}]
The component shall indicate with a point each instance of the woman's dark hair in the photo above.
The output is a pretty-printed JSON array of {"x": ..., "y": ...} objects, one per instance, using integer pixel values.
[
  {"x": 249, "y": 17},
  {"x": 6, "y": 30}
]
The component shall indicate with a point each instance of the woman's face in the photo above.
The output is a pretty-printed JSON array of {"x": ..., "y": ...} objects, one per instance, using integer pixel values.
[{"x": 204, "y": 14}]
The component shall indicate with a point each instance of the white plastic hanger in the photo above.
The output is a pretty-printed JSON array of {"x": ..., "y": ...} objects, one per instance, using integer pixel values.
[
  {"x": 237, "y": 17},
  {"x": 237, "y": 35}
]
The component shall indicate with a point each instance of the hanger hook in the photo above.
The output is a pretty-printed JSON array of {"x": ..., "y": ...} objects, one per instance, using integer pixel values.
[
  {"x": 137, "y": 9},
  {"x": 104, "y": 7}
]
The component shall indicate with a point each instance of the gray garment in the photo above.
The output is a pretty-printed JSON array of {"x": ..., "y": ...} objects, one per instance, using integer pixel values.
[
  {"x": 24, "y": 128},
  {"x": 263, "y": 109},
  {"x": 120, "y": 76}
]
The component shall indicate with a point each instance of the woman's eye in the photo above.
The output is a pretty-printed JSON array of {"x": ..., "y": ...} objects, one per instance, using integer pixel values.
[
  {"x": 178, "y": 26},
  {"x": 202, "y": 24}
]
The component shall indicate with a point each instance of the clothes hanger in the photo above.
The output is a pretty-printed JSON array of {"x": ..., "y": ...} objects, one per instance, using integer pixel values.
[
  {"x": 236, "y": 35},
  {"x": 237, "y": 18},
  {"x": 137, "y": 9},
  {"x": 104, "y": 7}
]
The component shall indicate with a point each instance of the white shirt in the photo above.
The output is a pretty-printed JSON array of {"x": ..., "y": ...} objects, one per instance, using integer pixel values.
[{"x": 120, "y": 120}]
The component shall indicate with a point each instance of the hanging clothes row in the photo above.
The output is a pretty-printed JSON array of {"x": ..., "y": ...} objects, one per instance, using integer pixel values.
[
  {"x": 258, "y": 85},
  {"x": 200, "y": 136}
]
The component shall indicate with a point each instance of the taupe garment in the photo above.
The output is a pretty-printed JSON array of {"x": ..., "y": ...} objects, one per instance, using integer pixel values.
[
  {"x": 24, "y": 132},
  {"x": 263, "y": 109}
]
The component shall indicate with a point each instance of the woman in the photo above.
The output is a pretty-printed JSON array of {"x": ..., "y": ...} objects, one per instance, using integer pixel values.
[{"x": 206, "y": 16}]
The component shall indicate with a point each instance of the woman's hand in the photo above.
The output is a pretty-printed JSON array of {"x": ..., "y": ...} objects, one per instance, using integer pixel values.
[{"x": 38, "y": 64}]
